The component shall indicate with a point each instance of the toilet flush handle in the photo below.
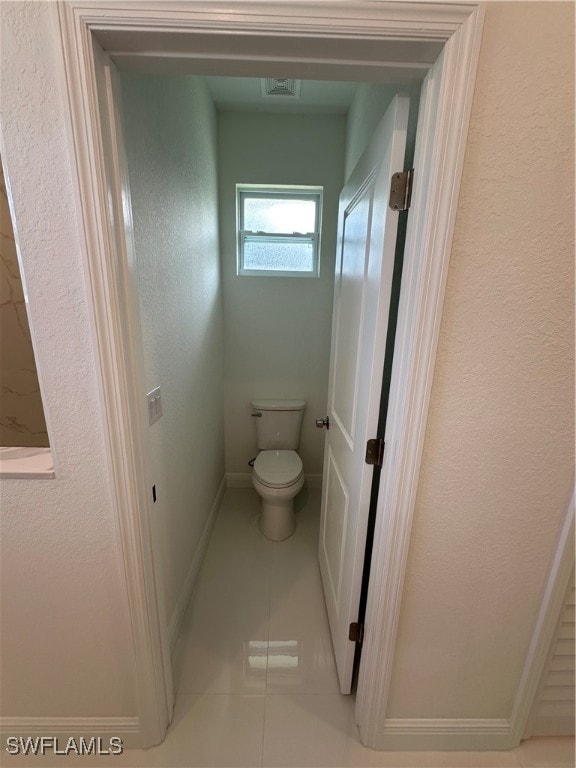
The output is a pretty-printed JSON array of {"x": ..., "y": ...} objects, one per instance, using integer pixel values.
[
  {"x": 323, "y": 423},
  {"x": 257, "y": 414}
]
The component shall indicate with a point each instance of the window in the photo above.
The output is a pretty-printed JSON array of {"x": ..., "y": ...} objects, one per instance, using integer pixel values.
[{"x": 279, "y": 230}]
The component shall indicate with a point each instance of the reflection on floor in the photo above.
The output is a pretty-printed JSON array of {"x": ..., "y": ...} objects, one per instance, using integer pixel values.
[{"x": 255, "y": 675}]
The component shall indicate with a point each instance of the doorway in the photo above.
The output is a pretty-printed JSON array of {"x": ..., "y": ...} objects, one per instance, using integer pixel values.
[
  {"x": 274, "y": 329},
  {"x": 448, "y": 52}
]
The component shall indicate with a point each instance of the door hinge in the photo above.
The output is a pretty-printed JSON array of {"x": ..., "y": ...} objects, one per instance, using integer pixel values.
[
  {"x": 375, "y": 452},
  {"x": 401, "y": 190},
  {"x": 356, "y": 632}
]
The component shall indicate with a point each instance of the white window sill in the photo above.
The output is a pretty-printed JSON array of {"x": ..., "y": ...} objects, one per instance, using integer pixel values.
[{"x": 26, "y": 464}]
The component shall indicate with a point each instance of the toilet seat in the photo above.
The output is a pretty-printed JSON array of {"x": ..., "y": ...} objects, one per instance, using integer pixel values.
[{"x": 278, "y": 469}]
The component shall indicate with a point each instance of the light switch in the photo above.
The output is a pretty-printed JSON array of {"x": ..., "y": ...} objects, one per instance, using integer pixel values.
[{"x": 154, "y": 405}]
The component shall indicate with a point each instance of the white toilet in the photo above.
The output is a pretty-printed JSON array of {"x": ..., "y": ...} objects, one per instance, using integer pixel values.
[{"x": 278, "y": 473}]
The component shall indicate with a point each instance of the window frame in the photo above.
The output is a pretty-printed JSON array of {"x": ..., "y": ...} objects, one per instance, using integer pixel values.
[{"x": 277, "y": 191}]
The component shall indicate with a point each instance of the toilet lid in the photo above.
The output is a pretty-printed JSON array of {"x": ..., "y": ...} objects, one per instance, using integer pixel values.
[{"x": 278, "y": 468}]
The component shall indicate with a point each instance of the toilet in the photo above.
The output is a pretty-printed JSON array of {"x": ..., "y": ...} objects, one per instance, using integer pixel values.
[{"x": 278, "y": 474}]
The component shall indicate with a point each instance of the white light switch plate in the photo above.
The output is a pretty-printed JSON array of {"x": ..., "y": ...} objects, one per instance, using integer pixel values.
[{"x": 154, "y": 405}]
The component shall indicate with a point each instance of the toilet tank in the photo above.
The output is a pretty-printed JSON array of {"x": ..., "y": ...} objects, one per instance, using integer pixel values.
[{"x": 278, "y": 428}]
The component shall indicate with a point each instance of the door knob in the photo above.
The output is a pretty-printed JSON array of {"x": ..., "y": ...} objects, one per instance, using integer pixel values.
[{"x": 323, "y": 423}]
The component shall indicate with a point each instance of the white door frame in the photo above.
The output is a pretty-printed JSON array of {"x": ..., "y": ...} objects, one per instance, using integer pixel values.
[{"x": 266, "y": 37}]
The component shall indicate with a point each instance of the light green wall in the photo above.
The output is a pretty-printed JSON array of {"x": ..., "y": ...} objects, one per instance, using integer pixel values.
[
  {"x": 369, "y": 104},
  {"x": 277, "y": 329},
  {"x": 170, "y": 126}
]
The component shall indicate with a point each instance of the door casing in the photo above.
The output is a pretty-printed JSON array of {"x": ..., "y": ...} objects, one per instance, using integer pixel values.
[{"x": 327, "y": 39}]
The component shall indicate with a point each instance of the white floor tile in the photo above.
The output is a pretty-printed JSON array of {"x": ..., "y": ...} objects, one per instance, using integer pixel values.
[
  {"x": 301, "y": 665},
  {"x": 297, "y": 601},
  {"x": 311, "y": 730},
  {"x": 233, "y": 664},
  {"x": 214, "y": 730},
  {"x": 225, "y": 628},
  {"x": 300, "y": 656},
  {"x": 236, "y": 545},
  {"x": 549, "y": 752}
]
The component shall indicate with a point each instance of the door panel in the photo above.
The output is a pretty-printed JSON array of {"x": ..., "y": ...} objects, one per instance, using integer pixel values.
[
  {"x": 332, "y": 535},
  {"x": 364, "y": 267},
  {"x": 348, "y": 324}
]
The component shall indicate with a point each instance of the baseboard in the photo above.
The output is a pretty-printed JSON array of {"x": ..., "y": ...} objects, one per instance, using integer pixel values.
[
  {"x": 552, "y": 726},
  {"x": 466, "y": 734},
  {"x": 314, "y": 482},
  {"x": 188, "y": 586},
  {"x": 244, "y": 480},
  {"x": 62, "y": 728},
  {"x": 239, "y": 479}
]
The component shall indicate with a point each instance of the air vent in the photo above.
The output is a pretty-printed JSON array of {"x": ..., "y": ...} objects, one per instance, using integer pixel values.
[{"x": 282, "y": 87}]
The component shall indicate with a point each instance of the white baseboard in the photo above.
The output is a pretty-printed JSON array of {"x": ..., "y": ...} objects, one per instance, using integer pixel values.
[
  {"x": 314, "y": 482},
  {"x": 244, "y": 480},
  {"x": 466, "y": 734},
  {"x": 239, "y": 479},
  {"x": 552, "y": 726},
  {"x": 62, "y": 728},
  {"x": 188, "y": 586}
]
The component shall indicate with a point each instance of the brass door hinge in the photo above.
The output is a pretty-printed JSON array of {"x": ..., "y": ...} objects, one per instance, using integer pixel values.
[
  {"x": 375, "y": 452},
  {"x": 401, "y": 190},
  {"x": 356, "y": 632}
]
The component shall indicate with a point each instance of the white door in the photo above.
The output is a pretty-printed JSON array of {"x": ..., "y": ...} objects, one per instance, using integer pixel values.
[{"x": 364, "y": 265}]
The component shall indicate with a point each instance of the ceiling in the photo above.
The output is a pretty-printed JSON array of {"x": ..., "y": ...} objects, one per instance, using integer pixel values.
[{"x": 235, "y": 93}]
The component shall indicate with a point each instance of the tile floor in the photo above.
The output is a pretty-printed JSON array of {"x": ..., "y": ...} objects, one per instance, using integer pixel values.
[{"x": 254, "y": 670}]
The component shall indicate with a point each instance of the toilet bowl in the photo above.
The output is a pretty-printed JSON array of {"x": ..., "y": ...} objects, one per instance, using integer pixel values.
[
  {"x": 278, "y": 473},
  {"x": 278, "y": 476}
]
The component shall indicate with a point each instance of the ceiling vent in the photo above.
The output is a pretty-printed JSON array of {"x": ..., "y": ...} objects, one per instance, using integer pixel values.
[{"x": 280, "y": 87}]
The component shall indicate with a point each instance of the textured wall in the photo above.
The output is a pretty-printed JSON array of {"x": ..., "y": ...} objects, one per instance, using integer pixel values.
[
  {"x": 498, "y": 456},
  {"x": 66, "y": 637},
  {"x": 21, "y": 415},
  {"x": 170, "y": 128},
  {"x": 277, "y": 329}
]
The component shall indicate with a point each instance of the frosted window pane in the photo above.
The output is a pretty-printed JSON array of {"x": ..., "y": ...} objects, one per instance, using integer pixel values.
[
  {"x": 279, "y": 215},
  {"x": 284, "y": 257}
]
